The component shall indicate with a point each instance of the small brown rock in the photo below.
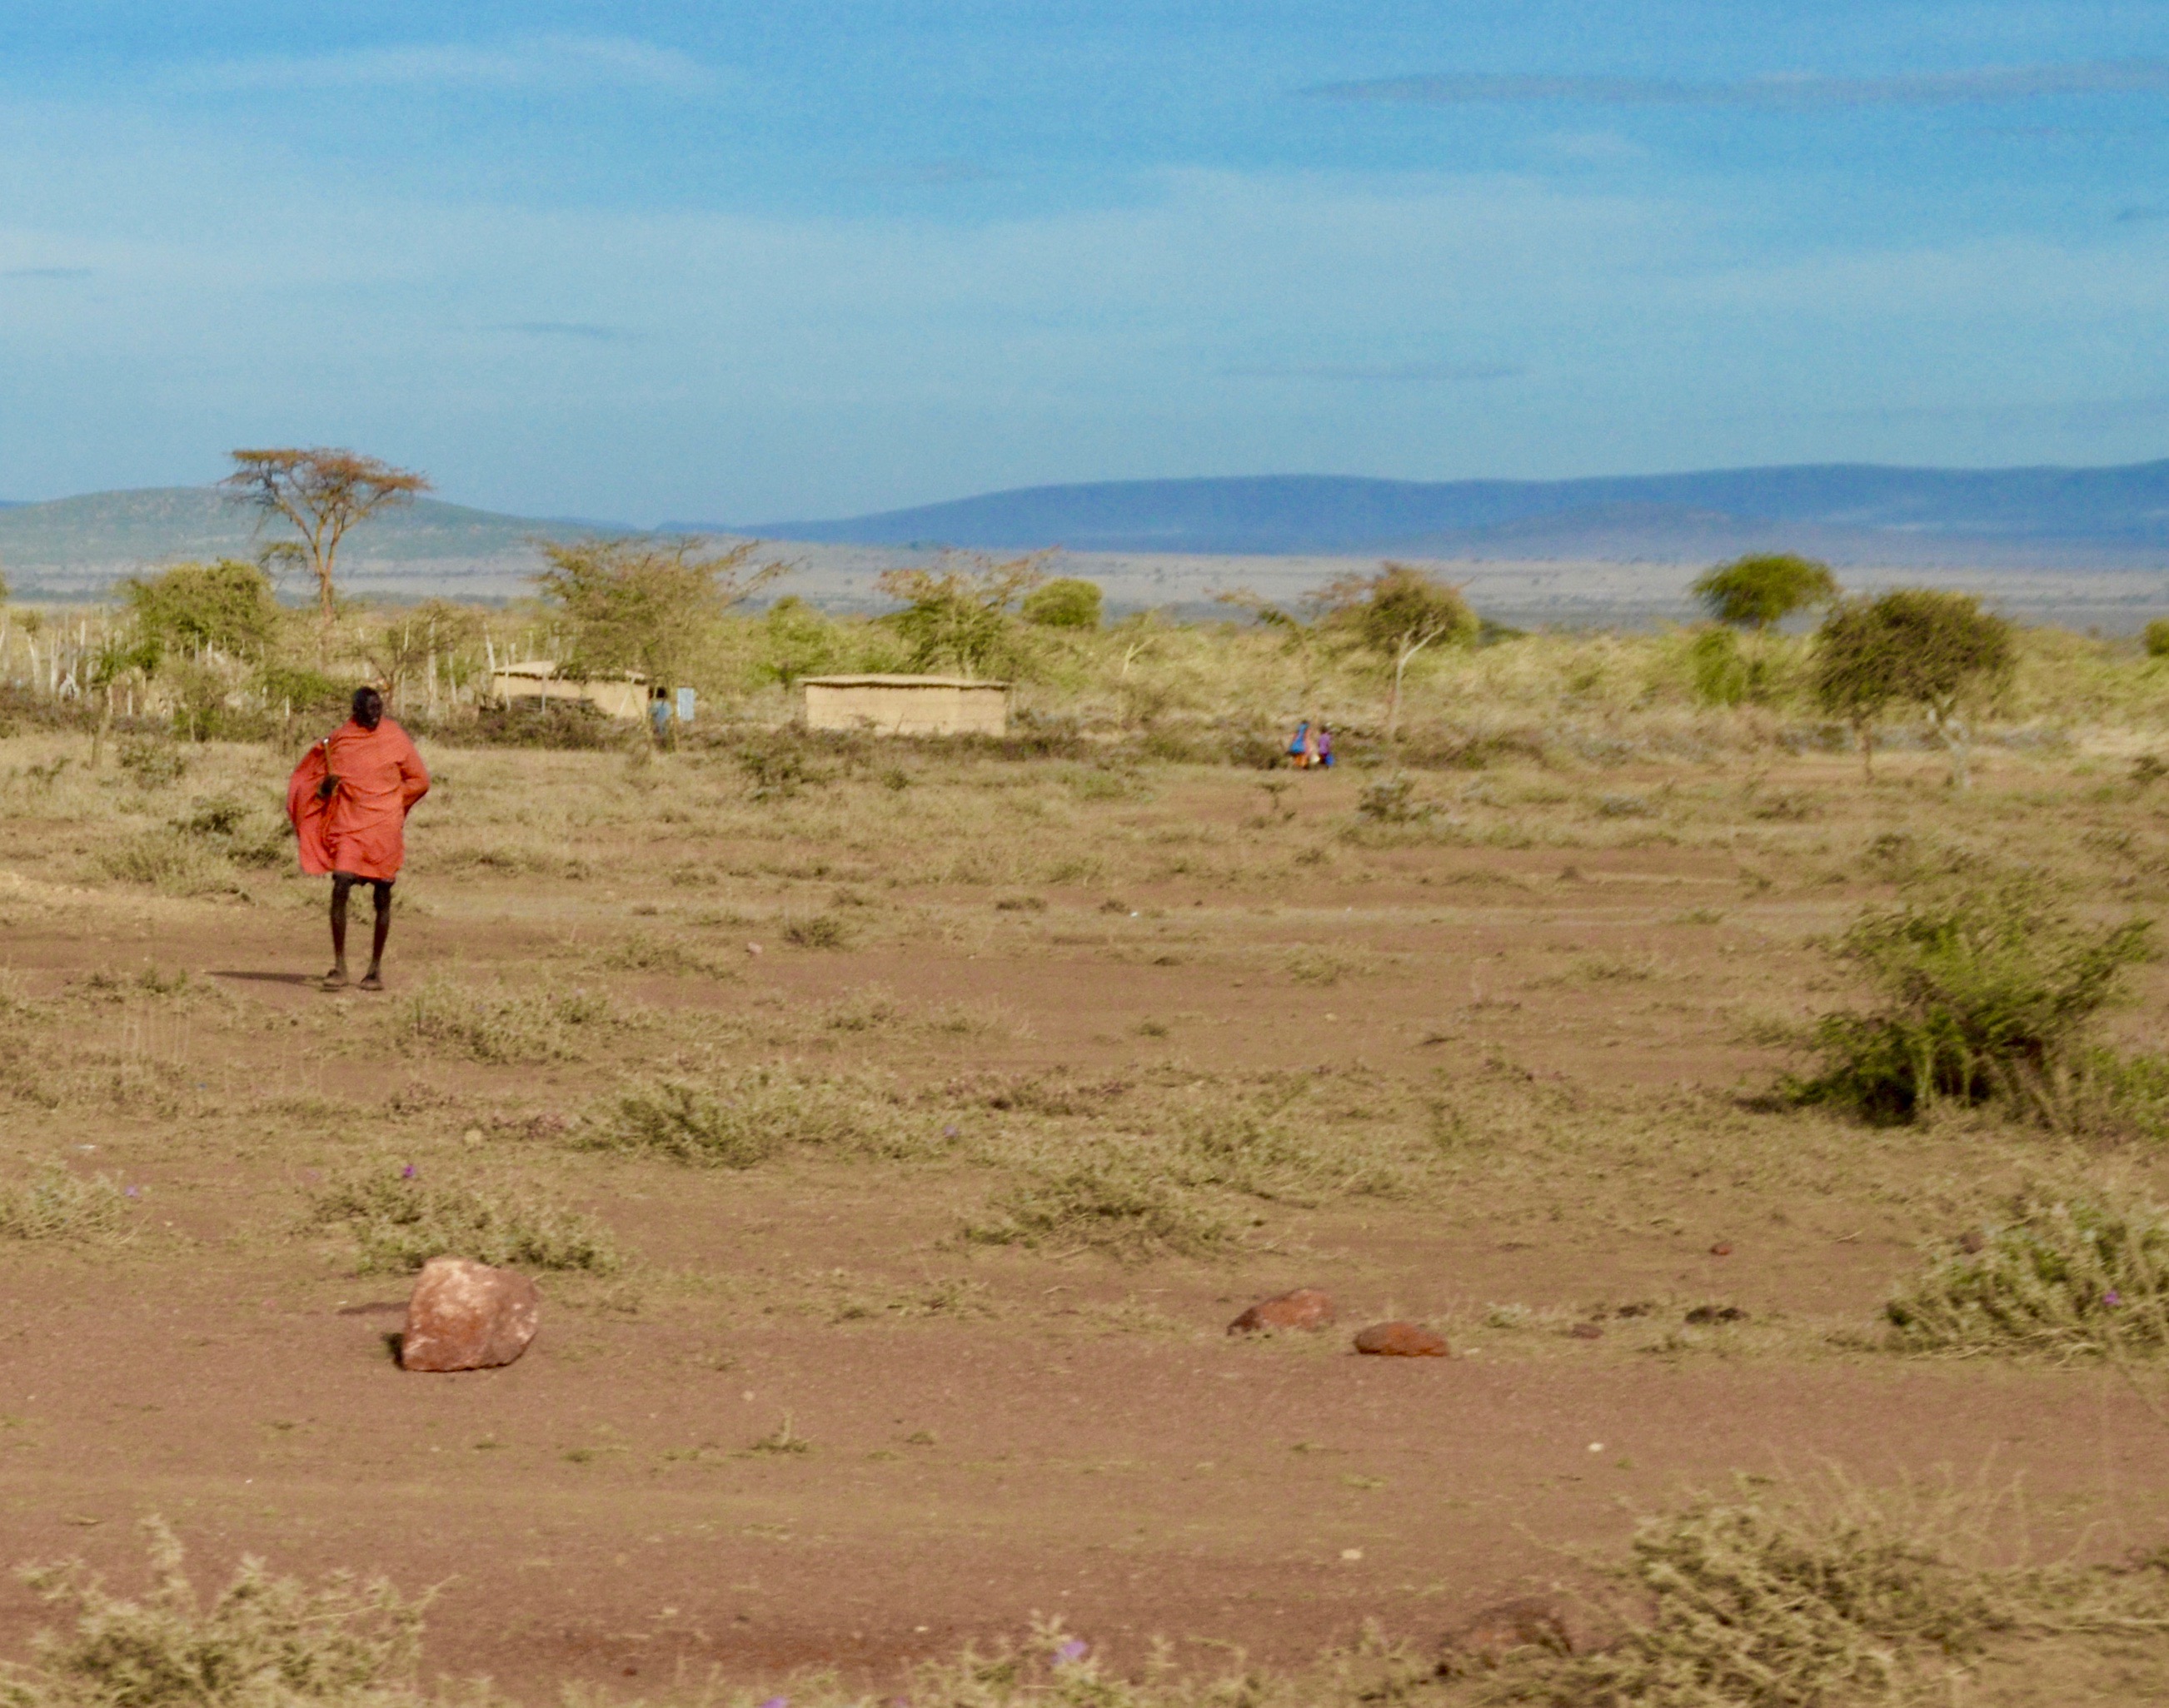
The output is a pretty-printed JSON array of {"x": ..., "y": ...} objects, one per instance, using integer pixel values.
[
  {"x": 1305, "y": 1308},
  {"x": 1972, "y": 1240},
  {"x": 1529, "y": 1622},
  {"x": 1401, "y": 1340},
  {"x": 464, "y": 1315},
  {"x": 1723, "y": 1248},
  {"x": 1586, "y": 1331}
]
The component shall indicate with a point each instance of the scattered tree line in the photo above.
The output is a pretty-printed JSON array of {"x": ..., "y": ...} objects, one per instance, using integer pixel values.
[{"x": 195, "y": 635}]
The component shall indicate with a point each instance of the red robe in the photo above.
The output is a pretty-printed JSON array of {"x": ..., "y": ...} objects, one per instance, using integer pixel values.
[{"x": 362, "y": 828}]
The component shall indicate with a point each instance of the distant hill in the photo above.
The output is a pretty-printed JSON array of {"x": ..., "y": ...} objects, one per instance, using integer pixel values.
[
  {"x": 71, "y": 546},
  {"x": 1852, "y": 514}
]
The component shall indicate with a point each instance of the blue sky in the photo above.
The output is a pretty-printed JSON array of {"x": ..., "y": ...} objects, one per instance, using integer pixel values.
[{"x": 732, "y": 263}]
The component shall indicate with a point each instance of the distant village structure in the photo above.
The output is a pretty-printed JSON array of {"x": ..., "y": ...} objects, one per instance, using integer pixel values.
[
  {"x": 907, "y": 705},
  {"x": 537, "y": 682}
]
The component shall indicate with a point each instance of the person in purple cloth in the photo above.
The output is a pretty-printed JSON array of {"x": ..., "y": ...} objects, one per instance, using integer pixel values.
[{"x": 1324, "y": 749}]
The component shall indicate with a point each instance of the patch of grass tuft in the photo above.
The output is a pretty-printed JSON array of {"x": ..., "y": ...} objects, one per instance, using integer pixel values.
[
  {"x": 1828, "y": 1593},
  {"x": 822, "y": 931},
  {"x": 495, "y": 1024},
  {"x": 400, "y": 1222},
  {"x": 2068, "y": 1273},
  {"x": 172, "y": 862},
  {"x": 737, "y": 1119},
  {"x": 54, "y": 1204},
  {"x": 1108, "y": 1201},
  {"x": 261, "y": 1642}
]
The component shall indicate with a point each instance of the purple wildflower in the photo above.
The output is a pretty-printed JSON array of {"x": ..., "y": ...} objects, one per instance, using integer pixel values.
[
  {"x": 2111, "y": 1298},
  {"x": 949, "y": 1132},
  {"x": 135, "y": 1192},
  {"x": 777, "y": 1702},
  {"x": 410, "y": 1173},
  {"x": 1071, "y": 1650}
]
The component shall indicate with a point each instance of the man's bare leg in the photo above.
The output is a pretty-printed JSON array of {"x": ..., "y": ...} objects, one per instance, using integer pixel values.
[
  {"x": 373, "y": 980},
  {"x": 342, "y": 886}
]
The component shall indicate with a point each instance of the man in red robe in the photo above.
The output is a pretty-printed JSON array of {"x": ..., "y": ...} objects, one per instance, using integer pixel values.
[{"x": 348, "y": 799}]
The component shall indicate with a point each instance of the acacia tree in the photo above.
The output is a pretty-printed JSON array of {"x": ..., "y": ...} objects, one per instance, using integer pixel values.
[
  {"x": 322, "y": 492},
  {"x": 1067, "y": 602},
  {"x": 1396, "y": 614},
  {"x": 1755, "y": 591},
  {"x": 960, "y": 615},
  {"x": 1298, "y": 628},
  {"x": 647, "y": 605},
  {"x": 1937, "y": 651}
]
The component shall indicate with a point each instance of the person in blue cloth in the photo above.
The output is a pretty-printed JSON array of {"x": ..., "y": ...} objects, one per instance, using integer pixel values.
[{"x": 1298, "y": 747}]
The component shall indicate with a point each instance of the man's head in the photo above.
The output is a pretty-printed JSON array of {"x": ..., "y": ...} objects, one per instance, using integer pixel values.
[{"x": 367, "y": 707}]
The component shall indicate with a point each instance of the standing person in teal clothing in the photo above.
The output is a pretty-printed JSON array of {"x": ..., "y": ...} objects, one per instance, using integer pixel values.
[{"x": 1298, "y": 748}]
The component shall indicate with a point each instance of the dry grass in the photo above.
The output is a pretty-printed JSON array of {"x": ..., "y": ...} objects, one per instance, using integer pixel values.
[
  {"x": 1824, "y": 1591},
  {"x": 1585, "y": 848},
  {"x": 2068, "y": 1270},
  {"x": 50, "y": 1203},
  {"x": 502, "y": 1025},
  {"x": 399, "y": 1219},
  {"x": 263, "y": 1642}
]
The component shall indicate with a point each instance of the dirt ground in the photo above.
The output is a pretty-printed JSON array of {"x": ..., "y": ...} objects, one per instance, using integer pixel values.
[{"x": 1580, "y": 982}]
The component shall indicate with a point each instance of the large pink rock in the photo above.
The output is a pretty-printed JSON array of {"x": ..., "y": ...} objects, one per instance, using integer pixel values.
[
  {"x": 1400, "y": 1340},
  {"x": 467, "y": 1316},
  {"x": 1306, "y": 1308}
]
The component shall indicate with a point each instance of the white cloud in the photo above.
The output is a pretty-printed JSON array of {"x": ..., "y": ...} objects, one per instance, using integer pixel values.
[
  {"x": 1975, "y": 85},
  {"x": 556, "y": 62}
]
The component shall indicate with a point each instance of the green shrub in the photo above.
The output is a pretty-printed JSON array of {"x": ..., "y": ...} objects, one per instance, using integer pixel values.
[
  {"x": 794, "y": 641},
  {"x": 1755, "y": 591},
  {"x": 1988, "y": 991},
  {"x": 400, "y": 1220},
  {"x": 263, "y": 1642},
  {"x": 1723, "y": 675},
  {"x": 2157, "y": 638},
  {"x": 153, "y": 761},
  {"x": 1064, "y": 602},
  {"x": 568, "y": 724},
  {"x": 2072, "y": 1272}
]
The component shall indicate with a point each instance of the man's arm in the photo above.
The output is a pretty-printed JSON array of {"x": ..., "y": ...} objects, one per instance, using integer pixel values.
[{"x": 413, "y": 776}]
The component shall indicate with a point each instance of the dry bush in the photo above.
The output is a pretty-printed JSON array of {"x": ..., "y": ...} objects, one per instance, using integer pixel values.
[
  {"x": 1825, "y": 1592},
  {"x": 822, "y": 931},
  {"x": 2079, "y": 1270},
  {"x": 642, "y": 952},
  {"x": 56, "y": 1204},
  {"x": 1113, "y": 1200},
  {"x": 172, "y": 862},
  {"x": 399, "y": 1221},
  {"x": 264, "y": 1642},
  {"x": 742, "y": 1117},
  {"x": 496, "y": 1025}
]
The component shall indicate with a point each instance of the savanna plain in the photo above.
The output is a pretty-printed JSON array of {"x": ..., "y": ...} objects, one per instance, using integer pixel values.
[{"x": 895, "y": 1128}]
